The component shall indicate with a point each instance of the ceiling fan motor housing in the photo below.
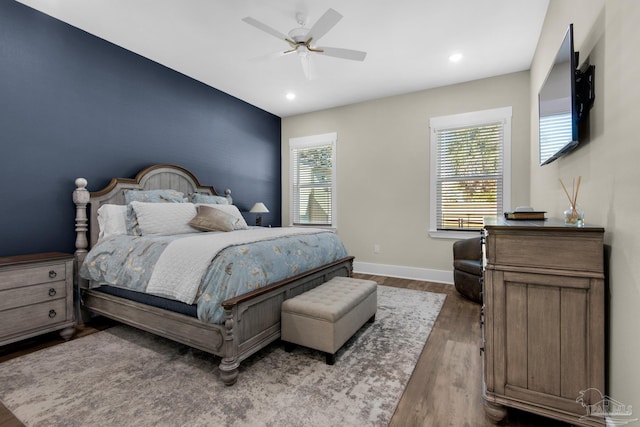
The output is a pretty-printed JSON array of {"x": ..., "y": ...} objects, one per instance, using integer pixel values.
[{"x": 299, "y": 35}]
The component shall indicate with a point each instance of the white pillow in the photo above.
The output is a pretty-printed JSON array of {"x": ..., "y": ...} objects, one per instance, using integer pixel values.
[
  {"x": 112, "y": 220},
  {"x": 241, "y": 224},
  {"x": 164, "y": 218}
]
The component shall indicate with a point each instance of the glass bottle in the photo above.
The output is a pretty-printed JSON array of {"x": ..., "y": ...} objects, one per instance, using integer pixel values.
[{"x": 574, "y": 216}]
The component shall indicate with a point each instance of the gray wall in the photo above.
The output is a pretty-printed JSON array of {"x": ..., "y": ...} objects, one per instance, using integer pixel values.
[
  {"x": 383, "y": 170},
  {"x": 606, "y": 32}
]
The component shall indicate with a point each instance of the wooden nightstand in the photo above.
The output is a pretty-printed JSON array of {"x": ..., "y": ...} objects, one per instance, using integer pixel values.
[{"x": 36, "y": 296}]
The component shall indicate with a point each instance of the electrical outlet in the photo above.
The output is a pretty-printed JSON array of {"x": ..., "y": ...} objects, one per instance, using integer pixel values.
[{"x": 376, "y": 248}]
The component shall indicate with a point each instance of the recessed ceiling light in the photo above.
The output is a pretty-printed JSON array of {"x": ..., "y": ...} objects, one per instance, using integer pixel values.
[
  {"x": 291, "y": 96},
  {"x": 456, "y": 57}
]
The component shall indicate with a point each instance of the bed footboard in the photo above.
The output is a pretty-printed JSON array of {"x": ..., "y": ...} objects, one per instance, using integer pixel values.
[{"x": 253, "y": 320}]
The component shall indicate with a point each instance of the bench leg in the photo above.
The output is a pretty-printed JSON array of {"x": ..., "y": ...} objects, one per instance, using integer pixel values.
[
  {"x": 330, "y": 358},
  {"x": 372, "y": 319}
]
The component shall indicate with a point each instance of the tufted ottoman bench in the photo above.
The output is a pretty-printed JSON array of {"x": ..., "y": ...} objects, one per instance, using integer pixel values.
[{"x": 325, "y": 317}]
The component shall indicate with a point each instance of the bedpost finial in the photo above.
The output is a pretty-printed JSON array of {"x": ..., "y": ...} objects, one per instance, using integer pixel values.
[{"x": 81, "y": 182}]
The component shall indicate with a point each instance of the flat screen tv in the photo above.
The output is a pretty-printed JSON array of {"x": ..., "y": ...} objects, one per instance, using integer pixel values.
[
  {"x": 558, "y": 123},
  {"x": 564, "y": 98}
]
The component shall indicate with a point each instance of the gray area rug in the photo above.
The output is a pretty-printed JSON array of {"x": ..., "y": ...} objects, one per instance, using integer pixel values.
[{"x": 126, "y": 377}]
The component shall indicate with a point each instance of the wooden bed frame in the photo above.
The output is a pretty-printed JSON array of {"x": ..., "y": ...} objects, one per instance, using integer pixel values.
[{"x": 252, "y": 320}]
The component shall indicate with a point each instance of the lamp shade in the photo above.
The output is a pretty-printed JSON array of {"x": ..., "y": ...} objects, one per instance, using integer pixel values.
[{"x": 259, "y": 208}]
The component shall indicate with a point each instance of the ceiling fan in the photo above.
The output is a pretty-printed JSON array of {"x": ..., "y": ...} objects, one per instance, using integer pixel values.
[{"x": 302, "y": 40}]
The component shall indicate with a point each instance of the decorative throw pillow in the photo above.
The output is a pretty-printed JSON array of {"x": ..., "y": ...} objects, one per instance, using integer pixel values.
[
  {"x": 212, "y": 219},
  {"x": 164, "y": 218},
  {"x": 241, "y": 224},
  {"x": 153, "y": 196},
  {"x": 112, "y": 220},
  {"x": 209, "y": 199},
  {"x": 147, "y": 196}
]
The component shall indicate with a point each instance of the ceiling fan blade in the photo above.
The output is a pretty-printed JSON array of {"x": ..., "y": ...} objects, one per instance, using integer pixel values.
[
  {"x": 323, "y": 25},
  {"x": 267, "y": 29},
  {"x": 354, "y": 55},
  {"x": 270, "y": 56}
]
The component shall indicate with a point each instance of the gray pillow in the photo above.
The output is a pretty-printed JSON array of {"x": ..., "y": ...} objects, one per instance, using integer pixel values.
[
  {"x": 209, "y": 199},
  {"x": 212, "y": 219}
]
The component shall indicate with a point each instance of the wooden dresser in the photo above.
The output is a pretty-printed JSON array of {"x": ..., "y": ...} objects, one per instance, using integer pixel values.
[
  {"x": 36, "y": 295},
  {"x": 543, "y": 319}
]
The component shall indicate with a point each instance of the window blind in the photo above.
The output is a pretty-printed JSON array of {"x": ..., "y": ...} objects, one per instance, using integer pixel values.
[
  {"x": 312, "y": 186},
  {"x": 469, "y": 175}
]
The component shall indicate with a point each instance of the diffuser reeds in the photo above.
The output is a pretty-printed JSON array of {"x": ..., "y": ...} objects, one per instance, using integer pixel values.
[{"x": 572, "y": 216}]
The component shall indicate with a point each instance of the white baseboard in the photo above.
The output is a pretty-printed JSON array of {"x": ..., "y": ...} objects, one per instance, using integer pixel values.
[{"x": 413, "y": 273}]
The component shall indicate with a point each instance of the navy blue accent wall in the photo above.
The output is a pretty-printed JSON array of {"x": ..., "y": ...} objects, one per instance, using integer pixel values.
[{"x": 73, "y": 105}]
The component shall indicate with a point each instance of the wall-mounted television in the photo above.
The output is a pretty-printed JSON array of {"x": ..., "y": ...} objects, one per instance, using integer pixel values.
[{"x": 563, "y": 101}]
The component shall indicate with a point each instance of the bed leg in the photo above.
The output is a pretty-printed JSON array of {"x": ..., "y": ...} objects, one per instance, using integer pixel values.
[
  {"x": 229, "y": 371},
  {"x": 230, "y": 363}
]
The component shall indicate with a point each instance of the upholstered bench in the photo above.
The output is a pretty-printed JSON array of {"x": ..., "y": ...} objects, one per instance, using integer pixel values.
[{"x": 325, "y": 317}]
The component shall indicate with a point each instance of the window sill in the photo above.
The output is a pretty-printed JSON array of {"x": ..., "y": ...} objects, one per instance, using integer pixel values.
[
  {"x": 450, "y": 234},
  {"x": 323, "y": 227}
]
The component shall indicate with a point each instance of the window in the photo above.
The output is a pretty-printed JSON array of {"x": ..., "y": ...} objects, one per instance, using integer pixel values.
[
  {"x": 470, "y": 170},
  {"x": 313, "y": 180}
]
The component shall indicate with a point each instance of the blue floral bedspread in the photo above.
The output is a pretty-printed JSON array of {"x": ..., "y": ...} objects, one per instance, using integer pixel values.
[{"x": 128, "y": 261}]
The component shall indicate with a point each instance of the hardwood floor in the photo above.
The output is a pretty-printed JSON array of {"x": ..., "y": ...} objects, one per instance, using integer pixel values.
[{"x": 444, "y": 389}]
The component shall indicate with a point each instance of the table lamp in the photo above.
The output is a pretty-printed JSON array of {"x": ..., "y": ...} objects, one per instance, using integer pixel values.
[{"x": 259, "y": 208}]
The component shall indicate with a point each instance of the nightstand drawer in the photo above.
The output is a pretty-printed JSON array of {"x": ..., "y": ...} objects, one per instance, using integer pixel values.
[
  {"x": 19, "y": 297},
  {"x": 34, "y": 316},
  {"x": 32, "y": 275}
]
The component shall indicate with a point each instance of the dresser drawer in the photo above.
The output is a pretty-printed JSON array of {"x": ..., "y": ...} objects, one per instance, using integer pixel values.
[
  {"x": 32, "y": 275},
  {"x": 35, "y": 316},
  {"x": 563, "y": 251},
  {"x": 27, "y": 295}
]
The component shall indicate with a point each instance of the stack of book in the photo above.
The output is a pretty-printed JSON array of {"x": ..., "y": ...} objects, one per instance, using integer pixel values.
[{"x": 525, "y": 215}]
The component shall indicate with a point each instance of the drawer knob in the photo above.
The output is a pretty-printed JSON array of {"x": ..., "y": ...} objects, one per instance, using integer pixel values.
[
  {"x": 52, "y": 274},
  {"x": 52, "y": 292},
  {"x": 52, "y": 314}
]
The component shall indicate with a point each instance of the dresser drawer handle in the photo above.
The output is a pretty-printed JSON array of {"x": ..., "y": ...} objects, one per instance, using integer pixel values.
[
  {"x": 52, "y": 314},
  {"x": 52, "y": 274},
  {"x": 52, "y": 292}
]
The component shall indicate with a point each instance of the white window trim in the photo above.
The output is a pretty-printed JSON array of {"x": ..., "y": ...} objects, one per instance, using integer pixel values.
[
  {"x": 476, "y": 118},
  {"x": 311, "y": 141}
]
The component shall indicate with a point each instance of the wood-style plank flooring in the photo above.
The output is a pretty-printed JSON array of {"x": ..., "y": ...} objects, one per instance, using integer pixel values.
[{"x": 444, "y": 390}]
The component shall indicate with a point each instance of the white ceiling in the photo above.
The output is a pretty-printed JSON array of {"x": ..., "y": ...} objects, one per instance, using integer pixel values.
[{"x": 408, "y": 43}]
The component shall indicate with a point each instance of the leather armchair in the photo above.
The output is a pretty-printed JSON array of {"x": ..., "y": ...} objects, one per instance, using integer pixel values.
[{"x": 467, "y": 268}]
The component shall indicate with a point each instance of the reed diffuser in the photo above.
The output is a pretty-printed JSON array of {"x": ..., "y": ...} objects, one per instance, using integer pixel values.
[{"x": 574, "y": 215}]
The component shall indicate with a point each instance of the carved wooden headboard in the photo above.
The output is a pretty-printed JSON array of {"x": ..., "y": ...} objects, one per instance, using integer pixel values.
[{"x": 156, "y": 177}]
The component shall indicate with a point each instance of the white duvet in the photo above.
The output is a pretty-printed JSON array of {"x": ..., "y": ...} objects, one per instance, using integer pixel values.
[{"x": 182, "y": 265}]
